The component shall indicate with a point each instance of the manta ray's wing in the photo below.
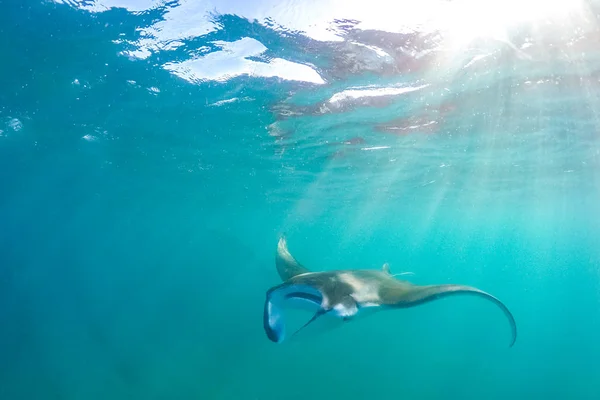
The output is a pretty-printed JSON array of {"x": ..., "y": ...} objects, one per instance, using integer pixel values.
[
  {"x": 274, "y": 310},
  {"x": 407, "y": 295},
  {"x": 287, "y": 266}
]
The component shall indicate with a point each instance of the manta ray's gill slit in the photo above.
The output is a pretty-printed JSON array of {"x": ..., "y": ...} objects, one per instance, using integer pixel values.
[{"x": 305, "y": 296}]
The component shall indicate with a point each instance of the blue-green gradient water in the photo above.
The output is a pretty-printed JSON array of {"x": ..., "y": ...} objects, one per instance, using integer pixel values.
[{"x": 152, "y": 153}]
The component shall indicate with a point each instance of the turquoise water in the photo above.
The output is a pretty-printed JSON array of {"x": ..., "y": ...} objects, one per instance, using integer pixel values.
[{"x": 152, "y": 153}]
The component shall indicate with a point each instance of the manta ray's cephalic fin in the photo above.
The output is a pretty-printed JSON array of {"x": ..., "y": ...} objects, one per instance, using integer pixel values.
[{"x": 287, "y": 266}]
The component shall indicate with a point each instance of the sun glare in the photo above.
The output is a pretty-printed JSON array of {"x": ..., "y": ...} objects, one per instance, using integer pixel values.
[{"x": 467, "y": 20}]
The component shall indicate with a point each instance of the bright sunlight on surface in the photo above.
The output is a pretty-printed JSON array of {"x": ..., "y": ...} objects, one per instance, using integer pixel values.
[{"x": 468, "y": 20}]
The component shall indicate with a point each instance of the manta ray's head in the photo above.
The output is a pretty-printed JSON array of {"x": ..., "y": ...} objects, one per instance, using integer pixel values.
[{"x": 322, "y": 293}]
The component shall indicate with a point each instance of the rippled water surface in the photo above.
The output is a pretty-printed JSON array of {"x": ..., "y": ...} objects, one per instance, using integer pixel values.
[{"x": 152, "y": 152}]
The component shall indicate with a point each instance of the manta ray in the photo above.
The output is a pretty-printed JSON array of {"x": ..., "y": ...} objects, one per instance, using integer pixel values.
[{"x": 348, "y": 293}]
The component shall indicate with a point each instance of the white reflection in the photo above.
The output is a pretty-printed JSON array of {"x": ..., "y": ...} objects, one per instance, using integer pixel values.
[
  {"x": 90, "y": 138},
  {"x": 375, "y": 148},
  {"x": 15, "y": 124},
  {"x": 353, "y": 94},
  {"x": 232, "y": 61},
  {"x": 229, "y": 101}
]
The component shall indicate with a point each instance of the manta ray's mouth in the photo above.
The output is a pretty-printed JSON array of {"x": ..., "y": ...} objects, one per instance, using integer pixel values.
[{"x": 273, "y": 314}]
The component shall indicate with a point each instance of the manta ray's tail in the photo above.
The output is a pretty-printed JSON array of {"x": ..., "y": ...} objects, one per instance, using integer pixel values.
[
  {"x": 287, "y": 266},
  {"x": 424, "y": 294}
]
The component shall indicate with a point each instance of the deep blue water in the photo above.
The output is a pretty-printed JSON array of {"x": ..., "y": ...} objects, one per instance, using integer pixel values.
[{"x": 152, "y": 153}]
